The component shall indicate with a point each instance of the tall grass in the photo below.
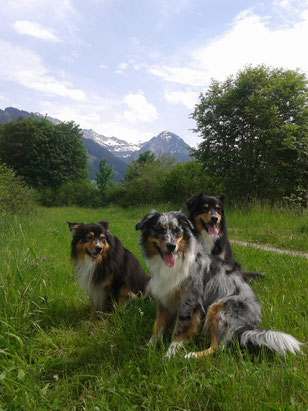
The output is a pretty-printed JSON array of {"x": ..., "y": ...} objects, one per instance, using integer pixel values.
[
  {"x": 53, "y": 356},
  {"x": 263, "y": 223}
]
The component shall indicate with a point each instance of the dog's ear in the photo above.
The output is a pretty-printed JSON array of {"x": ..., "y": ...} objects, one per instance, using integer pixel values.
[
  {"x": 185, "y": 222},
  {"x": 73, "y": 227},
  {"x": 222, "y": 199},
  {"x": 105, "y": 224},
  {"x": 192, "y": 203},
  {"x": 148, "y": 220}
]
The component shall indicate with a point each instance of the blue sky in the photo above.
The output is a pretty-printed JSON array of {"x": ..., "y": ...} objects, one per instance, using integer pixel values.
[{"x": 133, "y": 68}]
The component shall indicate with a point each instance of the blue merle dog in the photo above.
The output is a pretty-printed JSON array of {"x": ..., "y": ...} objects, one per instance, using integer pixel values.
[{"x": 195, "y": 290}]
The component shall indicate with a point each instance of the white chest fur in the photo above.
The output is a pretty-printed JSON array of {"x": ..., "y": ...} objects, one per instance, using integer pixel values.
[
  {"x": 96, "y": 292},
  {"x": 165, "y": 279},
  {"x": 207, "y": 241}
]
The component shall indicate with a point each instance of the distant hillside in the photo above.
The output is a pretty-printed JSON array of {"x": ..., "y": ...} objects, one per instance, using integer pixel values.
[
  {"x": 120, "y": 148},
  {"x": 12, "y": 113},
  {"x": 96, "y": 153},
  {"x": 117, "y": 152},
  {"x": 166, "y": 143}
]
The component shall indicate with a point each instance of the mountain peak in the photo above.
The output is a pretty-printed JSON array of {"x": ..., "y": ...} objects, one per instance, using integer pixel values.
[{"x": 165, "y": 143}]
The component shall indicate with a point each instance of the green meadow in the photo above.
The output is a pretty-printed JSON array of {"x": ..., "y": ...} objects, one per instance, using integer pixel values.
[{"x": 53, "y": 356}]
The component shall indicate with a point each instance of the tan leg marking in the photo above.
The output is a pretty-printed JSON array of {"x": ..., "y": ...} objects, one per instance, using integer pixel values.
[
  {"x": 163, "y": 322},
  {"x": 211, "y": 323},
  {"x": 125, "y": 294},
  {"x": 191, "y": 329}
]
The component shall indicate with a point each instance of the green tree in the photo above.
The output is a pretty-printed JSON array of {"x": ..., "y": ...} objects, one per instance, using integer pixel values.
[
  {"x": 254, "y": 131},
  {"x": 15, "y": 196},
  {"x": 146, "y": 157},
  {"x": 184, "y": 180},
  {"x": 46, "y": 155},
  {"x": 136, "y": 167},
  {"x": 105, "y": 176}
]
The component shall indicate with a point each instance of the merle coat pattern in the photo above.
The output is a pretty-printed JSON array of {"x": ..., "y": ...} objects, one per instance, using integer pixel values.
[{"x": 196, "y": 291}]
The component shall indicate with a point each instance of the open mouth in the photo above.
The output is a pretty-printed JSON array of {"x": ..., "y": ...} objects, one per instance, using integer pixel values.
[
  {"x": 169, "y": 259},
  {"x": 211, "y": 229},
  {"x": 93, "y": 255}
]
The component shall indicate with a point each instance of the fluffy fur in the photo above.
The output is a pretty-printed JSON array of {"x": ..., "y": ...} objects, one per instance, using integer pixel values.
[
  {"x": 208, "y": 217},
  {"x": 105, "y": 269},
  {"x": 195, "y": 290}
]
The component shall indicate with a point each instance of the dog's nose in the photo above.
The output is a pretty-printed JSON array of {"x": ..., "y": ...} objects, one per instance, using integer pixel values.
[
  {"x": 214, "y": 219},
  {"x": 98, "y": 248},
  {"x": 170, "y": 247}
]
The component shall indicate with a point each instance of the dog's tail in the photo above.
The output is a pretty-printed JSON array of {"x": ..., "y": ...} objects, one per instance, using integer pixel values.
[
  {"x": 274, "y": 340},
  {"x": 249, "y": 275}
]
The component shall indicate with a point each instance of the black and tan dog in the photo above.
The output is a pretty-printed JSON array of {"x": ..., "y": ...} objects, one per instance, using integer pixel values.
[
  {"x": 208, "y": 217},
  {"x": 105, "y": 269},
  {"x": 195, "y": 290}
]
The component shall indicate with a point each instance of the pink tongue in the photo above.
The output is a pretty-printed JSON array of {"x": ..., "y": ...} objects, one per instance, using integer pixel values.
[
  {"x": 212, "y": 231},
  {"x": 169, "y": 259}
]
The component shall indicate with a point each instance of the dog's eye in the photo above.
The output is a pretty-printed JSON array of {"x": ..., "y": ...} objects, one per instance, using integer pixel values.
[
  {"x": 89, "y": 237},
  {"x": 217, "y": 206},
  {"x": 158, "y": 229}
]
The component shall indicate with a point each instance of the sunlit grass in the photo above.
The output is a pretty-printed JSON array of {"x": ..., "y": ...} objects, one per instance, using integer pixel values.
[
  {"x": 54, "y": 356},
  {"x": 261, "y": 223}
]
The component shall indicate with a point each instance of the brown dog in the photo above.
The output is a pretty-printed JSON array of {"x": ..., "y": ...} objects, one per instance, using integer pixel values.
[{"x": 104, "y": 267}]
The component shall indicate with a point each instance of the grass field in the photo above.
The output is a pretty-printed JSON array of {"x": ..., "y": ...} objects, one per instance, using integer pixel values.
[{"x": 53, "y": 356}]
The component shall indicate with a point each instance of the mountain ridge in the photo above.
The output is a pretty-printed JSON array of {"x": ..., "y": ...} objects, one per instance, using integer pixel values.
[{"x": 117, "y": 152}]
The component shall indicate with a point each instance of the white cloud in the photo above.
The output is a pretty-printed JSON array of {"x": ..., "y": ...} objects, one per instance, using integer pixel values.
[
  {"x": 250, "y": 40},
  {"x": 140, "y": 110},
  {"x": 25, "y": 67},
  {"x": 34, "y": 29},
  {"x": 122, "y": 67},
  {"x": 93, "y": 117},
  {"x": 60, "y": 10},
  {"x": 192, "y": 76},
  {"x": 187, "y": 98}
]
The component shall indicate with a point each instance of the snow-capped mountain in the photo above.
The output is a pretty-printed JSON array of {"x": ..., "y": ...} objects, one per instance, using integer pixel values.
[
  {"x": 166, "y": 143},
  {"x": 117, "y": 152},
  {"x": 119, "y": 148}
]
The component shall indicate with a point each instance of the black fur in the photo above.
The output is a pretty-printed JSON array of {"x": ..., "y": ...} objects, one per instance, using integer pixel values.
[
  {"x": 197, "y": 291},
  {"x": 113, "y": 272},
  {"x": 221, "y": 245}
]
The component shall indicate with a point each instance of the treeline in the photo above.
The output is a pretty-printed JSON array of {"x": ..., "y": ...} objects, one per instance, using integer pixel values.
[
  {"x": 44, "y": 163},
  {"x": 254, "y": 145},
  {"x": 152, "y": 180},
  {"x": 254, "y": 130}
]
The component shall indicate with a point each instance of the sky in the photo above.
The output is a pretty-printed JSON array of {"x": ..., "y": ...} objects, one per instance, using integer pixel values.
[{"x": 134, "y": 68}]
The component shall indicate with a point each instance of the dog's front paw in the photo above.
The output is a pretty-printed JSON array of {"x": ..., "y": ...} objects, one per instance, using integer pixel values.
[{"x": 173, "y": 349}]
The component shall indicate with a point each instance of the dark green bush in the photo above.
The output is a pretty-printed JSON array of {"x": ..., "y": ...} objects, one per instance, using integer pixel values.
[
  {"x": 81, "y": 193},
  {"x": 187, "y": 179},
  {"x": 15, "y": 196}
]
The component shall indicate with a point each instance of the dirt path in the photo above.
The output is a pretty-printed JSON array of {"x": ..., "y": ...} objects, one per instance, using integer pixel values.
[{"x": 273, "y": 249}]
